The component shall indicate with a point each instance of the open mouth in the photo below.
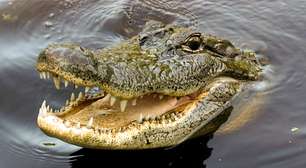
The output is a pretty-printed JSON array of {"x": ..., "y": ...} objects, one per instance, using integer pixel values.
[{"x": 102, "y": 112}]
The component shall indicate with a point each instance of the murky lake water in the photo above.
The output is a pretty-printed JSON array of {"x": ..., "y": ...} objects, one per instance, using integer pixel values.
[{"x": 276, "y": 137}]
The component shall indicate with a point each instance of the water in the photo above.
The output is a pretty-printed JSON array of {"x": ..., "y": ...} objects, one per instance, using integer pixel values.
[{"x": 275, "y": 29}]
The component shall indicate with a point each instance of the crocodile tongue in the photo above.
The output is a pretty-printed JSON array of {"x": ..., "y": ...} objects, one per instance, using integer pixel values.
[{"x": 101, "y": 114}]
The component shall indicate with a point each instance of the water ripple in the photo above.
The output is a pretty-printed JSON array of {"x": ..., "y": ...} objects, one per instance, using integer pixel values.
[{"x": 273, "y": 29}]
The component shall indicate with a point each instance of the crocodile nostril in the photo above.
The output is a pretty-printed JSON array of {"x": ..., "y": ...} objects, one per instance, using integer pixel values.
[
  {"x": 82, "y": 49},
  {"x": 142, "y": 40},
  {"x": 67, "y": 54},
  {"x": 231, "y": 52}
]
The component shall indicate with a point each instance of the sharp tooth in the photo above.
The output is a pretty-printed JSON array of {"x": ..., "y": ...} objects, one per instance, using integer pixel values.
[
  {"x": 66, "y": 83},
  {"x": 87, "y": 89},
  {"x": 134, "y": 102},
  {"x": 80, "y": 96},
  {"x": 161, "y": 97},
  {"x": 152, "y": 117},
  {"x": 40, "y": 75},
  {"x": 90, "y": 122},
  {"x": 48, "y": 108},
  {"x": 107, "y": 97},
  {"x": 43, "y": 108},
  {"x": 67, "y": 102},
  {"x": 154, "y": 95},
  {"x": 43, "y": 105},
  {"x": 47, "y": 75},
  {"x": 157, "y": 118},
  {"x": 123, "y": 104},
  {"x": 101, "y": 92},
  {"x": 112, "y": 100},
  {"x": 57, "y": 82},
  {"x": 72, "y": 97},
  {"x": 140, "y": 118},
  {"x": 76, "y": 86},
  {"x": 147, "y": 117},
  {"x": 44, "y": 75}
]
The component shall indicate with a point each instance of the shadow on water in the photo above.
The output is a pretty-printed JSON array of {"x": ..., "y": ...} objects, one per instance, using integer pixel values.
[{"x": 191, "y": 153}]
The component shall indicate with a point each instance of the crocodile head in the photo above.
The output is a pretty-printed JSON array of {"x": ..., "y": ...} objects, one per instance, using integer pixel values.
[{"x": 153, "y": 90}]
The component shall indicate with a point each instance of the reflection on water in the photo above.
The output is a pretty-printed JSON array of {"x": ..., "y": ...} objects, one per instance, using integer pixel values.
[
  {"x": 191, "y": 154},
  {"x": 274, "y": 29}
]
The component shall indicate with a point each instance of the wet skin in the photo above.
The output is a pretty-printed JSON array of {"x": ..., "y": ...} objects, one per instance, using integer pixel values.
[{"x": 156, "y": 89}]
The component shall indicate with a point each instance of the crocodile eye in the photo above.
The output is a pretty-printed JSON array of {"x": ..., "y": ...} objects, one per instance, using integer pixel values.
[{"x": 193, "y": 43}]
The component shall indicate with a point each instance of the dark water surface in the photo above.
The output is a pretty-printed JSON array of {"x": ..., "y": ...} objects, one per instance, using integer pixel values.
[{"x": 275, "y": 138}]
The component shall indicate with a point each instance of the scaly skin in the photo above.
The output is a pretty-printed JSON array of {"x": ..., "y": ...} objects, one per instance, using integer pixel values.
[{"x": 165, "y": 60}]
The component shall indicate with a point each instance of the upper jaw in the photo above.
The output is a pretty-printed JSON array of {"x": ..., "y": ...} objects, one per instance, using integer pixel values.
[{"x": 76, "y": 99}]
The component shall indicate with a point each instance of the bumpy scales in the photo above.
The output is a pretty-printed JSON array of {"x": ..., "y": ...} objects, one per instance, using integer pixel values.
[{"x": 154, "y": 90}]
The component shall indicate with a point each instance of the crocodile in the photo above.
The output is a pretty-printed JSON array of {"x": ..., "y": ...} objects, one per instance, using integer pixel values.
[{"x": 156, "y": 89}]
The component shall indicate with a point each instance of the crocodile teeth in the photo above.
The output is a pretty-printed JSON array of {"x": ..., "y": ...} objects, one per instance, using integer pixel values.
[
  {"x": 72, "y": 98},
  {"x": 67, "y": 102},
  {"x": 147, "y": 117},
  {"x": 44, "y": 74},
  {"x": 40, "y": 75},
  {"x": 57, "y": 82},
  {"x": 43, "y": 108},
  {"x": 44, "y": 103},
  {"x": 123, "y": 104},
  {"x": 140, "y": 118},
  {"x": 90, "y": 122},
  {"x": 102, "y": 93},
  {"x": 87, "y": 89},
  {"x": 47, "y": 75},
  {"x": 66, "y": 83},
  {"x": 161, "y": 97},
  {"x": 134, "y": 102},
  {"x": 107, "y": 97},
  {"x": 112, "y": 100},
  {"x": 80, "y": 96},
  {"x": 76, "y": 86}
]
